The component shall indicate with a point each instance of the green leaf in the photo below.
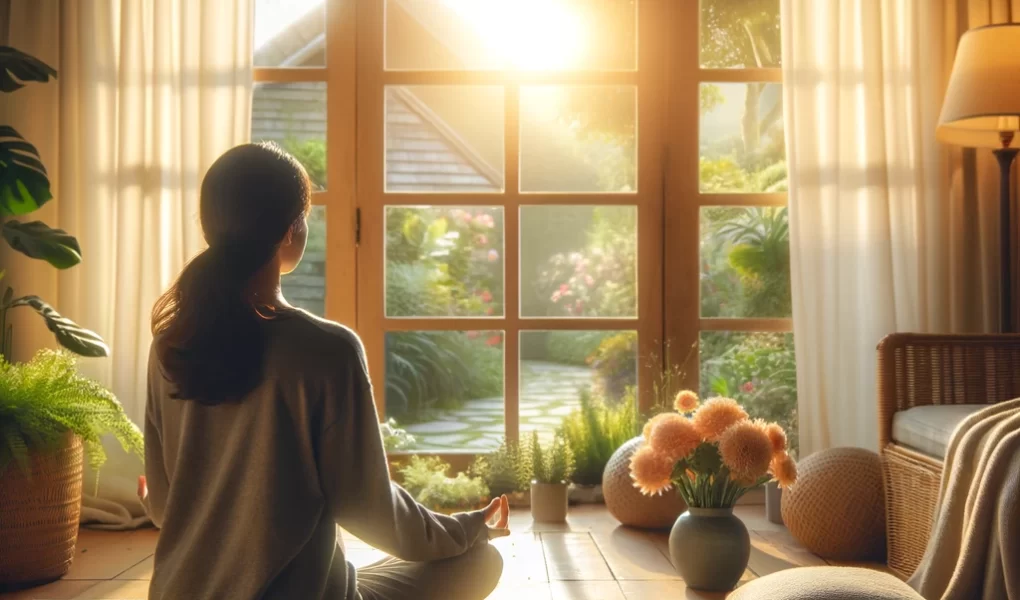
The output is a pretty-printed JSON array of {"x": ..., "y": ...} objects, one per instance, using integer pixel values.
[
  {"x": 16, "y": 65},
  {"x": 38, "y": 240},
  {"x": 24, "y": 184},
  {"x": 72, "y": 336}
]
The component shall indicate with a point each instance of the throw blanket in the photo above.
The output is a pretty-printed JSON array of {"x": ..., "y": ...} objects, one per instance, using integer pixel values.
[
  {"x": 115, "y": 504},
  {"x": 974, "y": 551}
]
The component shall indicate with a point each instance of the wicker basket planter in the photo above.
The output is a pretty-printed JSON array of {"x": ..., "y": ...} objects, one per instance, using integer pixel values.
[{"x": 39, "y": 516}]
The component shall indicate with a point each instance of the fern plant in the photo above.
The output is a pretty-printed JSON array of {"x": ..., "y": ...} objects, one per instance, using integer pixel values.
[
  {"x": 505, "y": 470},
  {"x": 44, "y": 399},
  {"x": 595, "y": 430}
]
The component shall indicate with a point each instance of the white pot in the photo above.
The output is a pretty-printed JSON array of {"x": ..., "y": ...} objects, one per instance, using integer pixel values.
[{"x": 549, "y": 502}]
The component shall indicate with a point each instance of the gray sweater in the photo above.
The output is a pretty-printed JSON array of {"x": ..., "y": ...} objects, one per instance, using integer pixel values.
[{"x": 248, "y": 495}]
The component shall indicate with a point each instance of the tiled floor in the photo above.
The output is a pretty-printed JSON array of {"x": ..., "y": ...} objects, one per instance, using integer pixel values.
[{"x": 589, "y": 558}]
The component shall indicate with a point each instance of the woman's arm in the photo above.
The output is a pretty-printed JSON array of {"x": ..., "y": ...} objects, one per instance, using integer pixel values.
[
  {"x": 156, "y": 483},
  {"x": 356, "y": 481}
]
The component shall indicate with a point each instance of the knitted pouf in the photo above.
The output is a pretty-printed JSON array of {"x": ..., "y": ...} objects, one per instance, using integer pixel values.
[
  {"x": 627, "y": 504},
  {"x": 826, "y": 583},
  {"x": 837, "y": 507}
]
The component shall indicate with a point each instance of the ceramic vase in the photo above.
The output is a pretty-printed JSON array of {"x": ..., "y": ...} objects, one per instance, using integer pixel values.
[{"x": 710, "y": 548}]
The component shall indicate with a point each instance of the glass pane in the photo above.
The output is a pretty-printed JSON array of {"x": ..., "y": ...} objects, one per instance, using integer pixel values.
[
  {"x": 444, "y": 261},
  {"x": 294, "y": 116},
  {"x": 557, "y": 367},
  {"x": 305, "y": 286},
  {"x": 745, "y": 262},
  {"x": 446, "y": 388},
  {"x": 578, "y": 261},
  {"x": 742, "y": 148},
  {"x": 290, "y": 33},
  {"x": 444, "y": 138},
  {"x": 740, "y": 33},
  {"x": 578, "y": 139},
  {"x": 758, "y": 370},
  {"x": 511, "y": 34}
]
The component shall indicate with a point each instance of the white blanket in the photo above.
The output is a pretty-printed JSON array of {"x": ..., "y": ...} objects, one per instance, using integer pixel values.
[
  {"x": 974, "y": 551},
  {"x": 115, "y": 505}
]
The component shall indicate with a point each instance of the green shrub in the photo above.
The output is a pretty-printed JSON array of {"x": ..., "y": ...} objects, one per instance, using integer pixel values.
[
  {"x": 505, "y": 470},
  {"x": 426, "y": 480},
  {"x": 311, "y": 154},
  {"x": 574, "y": 347},
  {"x": 593, "y": 433},
  {"x": 44, "y": 399},
  {"x": 615, "y": 364},
  {"x": 394, "y": 438},
  {"x": 553, "y": 463}
]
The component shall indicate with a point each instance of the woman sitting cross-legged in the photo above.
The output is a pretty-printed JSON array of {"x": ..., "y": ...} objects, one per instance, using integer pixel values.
[{"x": 261, "y": 434}]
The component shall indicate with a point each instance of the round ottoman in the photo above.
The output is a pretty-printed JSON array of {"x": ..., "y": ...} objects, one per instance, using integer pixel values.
[
  {"x": 826, "y": 583},
  {"x": 837, "y": 507},
  {"x": 627, "y": 504}
]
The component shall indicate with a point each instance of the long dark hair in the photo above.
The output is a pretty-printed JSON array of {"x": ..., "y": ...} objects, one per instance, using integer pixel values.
[{"x": 208, "y": 328}]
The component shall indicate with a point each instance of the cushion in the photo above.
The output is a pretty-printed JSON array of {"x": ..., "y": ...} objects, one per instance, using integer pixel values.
[
  {"x": 927, "y": 429},
  {"x": 826, "y": 583}
]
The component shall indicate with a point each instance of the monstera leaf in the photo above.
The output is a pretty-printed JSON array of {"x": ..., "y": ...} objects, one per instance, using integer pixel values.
[
  {"x": 15, "y": 65},
  {"x": 24, "y": 184},
  {"x": 38, "y": 240},
  {"x": 72, "y": 336}
]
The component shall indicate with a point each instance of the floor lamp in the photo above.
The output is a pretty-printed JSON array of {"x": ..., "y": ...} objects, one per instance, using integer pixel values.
[{"x": 982, "y": 110}]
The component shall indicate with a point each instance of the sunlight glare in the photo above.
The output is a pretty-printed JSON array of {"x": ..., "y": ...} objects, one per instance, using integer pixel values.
[{"x": 527, "y": 34}]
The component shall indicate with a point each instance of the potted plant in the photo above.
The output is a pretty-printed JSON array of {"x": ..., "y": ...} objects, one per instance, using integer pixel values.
[
  {"x": 506, "y": 470},
  {"x": 593, "y": 432},
  {"x": 50, "y": 417},
  {"x": 426, "y": 479},
  {"x": 712, "y": 454},
  {"x": 552, "y": 467}
]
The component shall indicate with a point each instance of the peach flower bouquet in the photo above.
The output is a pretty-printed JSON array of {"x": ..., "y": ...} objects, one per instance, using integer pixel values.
[{"x": 712, "y": 452}]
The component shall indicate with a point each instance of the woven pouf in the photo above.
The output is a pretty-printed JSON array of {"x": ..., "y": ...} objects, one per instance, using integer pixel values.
[
  {"x": 837, "y": 507},
  {"x": 627, "y": 504},
  {"x": 826, "y": 583}
]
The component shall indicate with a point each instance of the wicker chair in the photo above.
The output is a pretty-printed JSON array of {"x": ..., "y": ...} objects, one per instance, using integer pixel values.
[{"x": 931, "y": 370}]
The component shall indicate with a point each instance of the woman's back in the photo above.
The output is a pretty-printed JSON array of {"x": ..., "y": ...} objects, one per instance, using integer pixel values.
[{"x": 246, "y": 498}]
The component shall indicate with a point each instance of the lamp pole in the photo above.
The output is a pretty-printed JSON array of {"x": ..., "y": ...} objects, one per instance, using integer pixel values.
[{"x": 1005, "y": 156}]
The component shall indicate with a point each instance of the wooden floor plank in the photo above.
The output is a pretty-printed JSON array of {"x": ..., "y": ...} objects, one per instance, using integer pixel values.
[
  {"x": 633, "y": 555},
  {"x": 142, "y": 571},
  {"x": 574, "y": 557},
  {"x": 66, "y": 589},
  {"x": 107, "y": 554},
  {"x": 523, "y": 559},
  {"x": 586, "y": 590},
  {"x": 116, "y": 590}
]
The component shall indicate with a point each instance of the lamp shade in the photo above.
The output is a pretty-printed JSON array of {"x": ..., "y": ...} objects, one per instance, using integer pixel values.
[{"x": 983, "y": 97}]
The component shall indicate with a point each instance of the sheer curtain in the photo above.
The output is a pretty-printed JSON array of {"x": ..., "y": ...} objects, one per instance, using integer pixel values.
[
  {"x": 149, "y": 93},
  {"x": 889, "y": 230}
]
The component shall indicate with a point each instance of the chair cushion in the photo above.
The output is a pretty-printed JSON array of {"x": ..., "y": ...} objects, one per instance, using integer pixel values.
[
  {"x": 927, "y": 429},
  {"x": 826, "y": 583}
]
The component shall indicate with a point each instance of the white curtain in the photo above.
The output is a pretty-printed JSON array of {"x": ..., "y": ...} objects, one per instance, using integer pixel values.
[
  {"x": 889, "y": 230},
  {"x": 150, "y": 93}
]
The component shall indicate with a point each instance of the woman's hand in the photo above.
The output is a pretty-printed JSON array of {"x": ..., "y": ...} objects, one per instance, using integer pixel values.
[
  {"x": 143, "y": 489},
  {"x": 497, "y": 517}
]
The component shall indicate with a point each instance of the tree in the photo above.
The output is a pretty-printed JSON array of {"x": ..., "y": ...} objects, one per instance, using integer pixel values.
[{"x": 744, "y": 33}]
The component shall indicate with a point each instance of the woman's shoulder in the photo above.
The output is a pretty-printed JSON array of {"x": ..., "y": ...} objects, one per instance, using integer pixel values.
[{"x": 307, "y": 333}]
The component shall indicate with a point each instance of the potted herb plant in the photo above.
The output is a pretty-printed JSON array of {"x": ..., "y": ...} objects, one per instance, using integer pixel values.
[
  {"x": 426, "y": 479},
  {"x": 712, "y": 455},
  {"x": 594, "y": 431},
  {"x": 506, "y": 470},
  {"x": 551, "y": 466},
  {"x": 50, "y": 417}
]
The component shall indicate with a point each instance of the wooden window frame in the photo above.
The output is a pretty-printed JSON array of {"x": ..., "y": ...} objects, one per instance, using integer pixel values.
[{"x": 684, "y": 199}]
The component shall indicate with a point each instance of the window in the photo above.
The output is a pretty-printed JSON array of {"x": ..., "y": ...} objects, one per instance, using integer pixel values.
[{"x": 497, "y": 214}]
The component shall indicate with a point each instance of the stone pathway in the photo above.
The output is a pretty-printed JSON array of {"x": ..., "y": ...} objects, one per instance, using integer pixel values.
[{"x": 549, "y": 392}]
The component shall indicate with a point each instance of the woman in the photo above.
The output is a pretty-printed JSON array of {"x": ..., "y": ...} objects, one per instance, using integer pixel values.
[{"x": 261, "y": 434}]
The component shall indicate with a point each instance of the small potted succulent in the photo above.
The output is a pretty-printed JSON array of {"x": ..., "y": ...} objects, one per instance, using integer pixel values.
[
  {"x": 552, "y": 466},
  {"x": 711, "y": 453}
]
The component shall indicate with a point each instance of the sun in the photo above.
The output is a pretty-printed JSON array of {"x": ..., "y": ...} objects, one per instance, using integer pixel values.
[{"x": 527, "y": 35}]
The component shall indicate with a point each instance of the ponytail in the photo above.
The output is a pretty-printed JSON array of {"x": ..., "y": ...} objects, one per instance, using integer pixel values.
[{"x": 208, "y": 331}]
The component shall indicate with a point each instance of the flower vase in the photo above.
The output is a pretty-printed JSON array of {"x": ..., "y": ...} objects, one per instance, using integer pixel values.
[{"x": 710, "y": 548}]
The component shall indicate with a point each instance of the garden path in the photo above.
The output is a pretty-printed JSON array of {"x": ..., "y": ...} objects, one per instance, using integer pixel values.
[{"x": 549, "y": 392}]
